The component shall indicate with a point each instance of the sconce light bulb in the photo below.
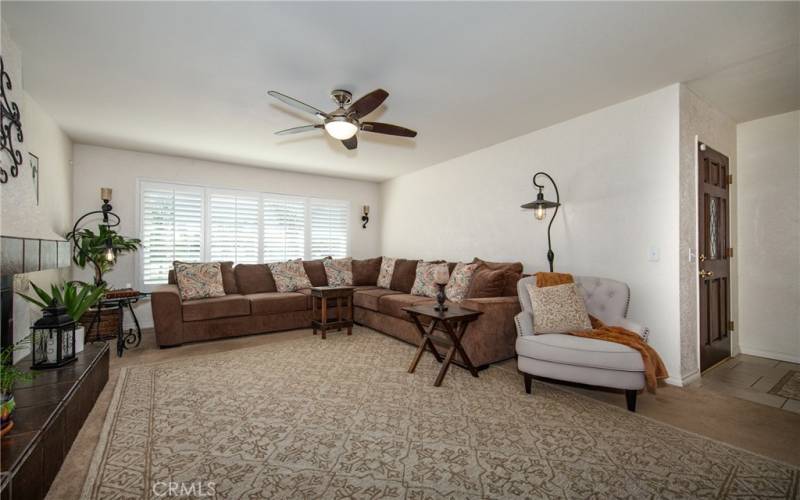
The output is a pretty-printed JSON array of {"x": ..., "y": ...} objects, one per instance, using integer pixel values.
[
  {"x": 110, "y": 255},
  {"x": 539, "y": 213}
]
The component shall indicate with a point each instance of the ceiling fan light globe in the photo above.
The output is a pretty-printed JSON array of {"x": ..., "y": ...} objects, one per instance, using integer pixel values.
[{"x": 340, "y": 129}]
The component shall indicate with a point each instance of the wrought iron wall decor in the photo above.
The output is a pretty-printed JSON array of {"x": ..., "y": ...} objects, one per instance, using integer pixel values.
[{"x": 10, "y": 125}]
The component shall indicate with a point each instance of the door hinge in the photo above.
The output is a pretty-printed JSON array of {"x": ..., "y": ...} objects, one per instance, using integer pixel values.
[
  {"x": 730, "y": 252},
  {"x": 730, "y": 325},
  {"x": 730, "y": 179}
]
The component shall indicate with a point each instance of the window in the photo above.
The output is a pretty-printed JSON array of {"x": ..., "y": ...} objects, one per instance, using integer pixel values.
[
  {"x": 329, "y": 228},
  {"x": 233, "y": 229},
  {"x": 172, "y": 229},
  {"x": 284, "y": 228},
  {"x": 196, "y": 224}
]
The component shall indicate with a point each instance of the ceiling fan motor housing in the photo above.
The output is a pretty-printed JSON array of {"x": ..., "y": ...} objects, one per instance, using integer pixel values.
[{"x": 341, "y": 97}]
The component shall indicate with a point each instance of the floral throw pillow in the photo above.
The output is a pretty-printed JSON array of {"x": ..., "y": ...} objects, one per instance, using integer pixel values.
[
  {"x": 460, "y": 281},
  {"x": 558, "y": 309},
  {"x": 425, "y": 282},
  {"x": 289, "y": 276},
  {"x": 386, "y": 272},
  {"x": 339, "y": 271},
  {"x": 199, "y": 280}
]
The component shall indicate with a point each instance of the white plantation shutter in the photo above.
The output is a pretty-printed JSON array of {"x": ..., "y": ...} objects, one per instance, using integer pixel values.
[
  {"x": 284, "y": 220},
  {"x": 329, "y": 228},
  {"x": 233, "y": 227},
  {"x": 171, "y": 228}
]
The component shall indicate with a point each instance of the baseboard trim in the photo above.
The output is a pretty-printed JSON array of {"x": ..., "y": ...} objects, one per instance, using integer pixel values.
[
  {"x": 142, "y": 324},
  {"x": 769, "y": 354}
]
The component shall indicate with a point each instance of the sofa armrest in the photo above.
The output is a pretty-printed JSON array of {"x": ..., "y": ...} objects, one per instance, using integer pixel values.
[
  {"x": 493, "y": 335},
  {"x": 633, "y": 326},
  {"x": 524, "y": 322},
  {"x": 167, "y": 315}
]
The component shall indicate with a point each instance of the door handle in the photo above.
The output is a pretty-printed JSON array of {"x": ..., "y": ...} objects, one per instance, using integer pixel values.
[{"x": 706, "y": 274}]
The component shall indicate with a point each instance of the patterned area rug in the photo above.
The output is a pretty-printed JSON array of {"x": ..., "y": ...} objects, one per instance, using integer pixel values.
[
  {"x": 789, "y": 386},
  {"x": 342, "y": 418}
]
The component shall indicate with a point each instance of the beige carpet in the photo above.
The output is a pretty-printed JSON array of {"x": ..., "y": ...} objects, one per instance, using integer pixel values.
[
  {"x": 341, "y": 417},
  {"x": 789, "y": 386}
]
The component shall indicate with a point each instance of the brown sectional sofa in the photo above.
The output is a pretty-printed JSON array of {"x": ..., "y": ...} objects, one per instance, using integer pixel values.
[{"x": 252, "y": 305}]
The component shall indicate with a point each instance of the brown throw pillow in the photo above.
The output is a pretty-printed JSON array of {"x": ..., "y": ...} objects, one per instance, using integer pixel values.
[
  {"x": 199, "y": 280},
  {"x": 254, "y": 278},
  {"x": 228, "y": 278},
  {"x": 405, "y": 272},
  {"x": 365, "y": 271},
  {"x": 316, "y": 272},
  {"x": 558, "y": 309},
  {"x": 487, "y": 283},
  {"x": 512, "y": 271}
]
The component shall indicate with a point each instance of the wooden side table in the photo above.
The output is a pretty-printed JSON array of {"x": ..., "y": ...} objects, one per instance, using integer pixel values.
[
  {"x": 320, "y": 295},
  {"x": 455, "y": 321}
]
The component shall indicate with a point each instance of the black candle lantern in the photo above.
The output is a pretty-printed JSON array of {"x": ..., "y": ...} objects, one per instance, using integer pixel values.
[{"x": 53, "y": 338}]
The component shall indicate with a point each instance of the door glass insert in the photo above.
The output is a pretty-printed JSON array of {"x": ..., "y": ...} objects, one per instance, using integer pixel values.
[{"x": 713, "y": 228}]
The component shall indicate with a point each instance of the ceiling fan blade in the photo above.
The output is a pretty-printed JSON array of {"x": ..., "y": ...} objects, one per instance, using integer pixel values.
[
  {"x": 368, "y": 103},
  {"x": 387, "y": 128},
  {"x": 351, "y": 143},
  {"x": 291, "y": 101},
  {"x": 297, "y": 130}
]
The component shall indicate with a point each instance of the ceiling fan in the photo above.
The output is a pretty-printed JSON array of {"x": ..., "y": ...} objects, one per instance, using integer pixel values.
[{"x": 344, "y": 123}]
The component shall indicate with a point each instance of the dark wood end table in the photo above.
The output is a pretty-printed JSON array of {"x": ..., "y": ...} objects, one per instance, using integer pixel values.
[
  {"x": 455, "y": 321},
  {"x": 320, "y": 295},
  {"x": 125, "y": 340}
]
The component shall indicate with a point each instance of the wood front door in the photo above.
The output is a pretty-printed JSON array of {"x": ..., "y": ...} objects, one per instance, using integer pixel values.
[{"x": 713, "y": 257}]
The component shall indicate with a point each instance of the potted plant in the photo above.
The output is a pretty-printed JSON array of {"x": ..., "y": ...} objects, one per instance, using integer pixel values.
[
  {"x": 8, "y": 375},
  {"x": 100, "y": 249},
  {"x": 75, "y": 296}
]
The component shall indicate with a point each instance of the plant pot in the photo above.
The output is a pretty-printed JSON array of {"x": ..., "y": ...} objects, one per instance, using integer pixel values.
[{"x": 7, "y": 405}]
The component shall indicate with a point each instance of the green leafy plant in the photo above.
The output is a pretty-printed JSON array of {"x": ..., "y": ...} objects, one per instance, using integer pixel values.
[
  {"x": 8, "y": 372},
  {"x": 76, "y": 297},
  {"x": 91, "y": 248}
]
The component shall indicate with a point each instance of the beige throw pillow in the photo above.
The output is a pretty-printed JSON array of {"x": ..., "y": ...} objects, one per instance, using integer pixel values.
[
  {"x": 460, "y": 281},
  {"x": 289, "y": 276},
  {"x": 199, "y": 280},
  {"x": 558, "y": 309},
  {"x": 425, "y": 280},
  {"x": 386, "y": 272},
  {"x": 339, "y": 271}
]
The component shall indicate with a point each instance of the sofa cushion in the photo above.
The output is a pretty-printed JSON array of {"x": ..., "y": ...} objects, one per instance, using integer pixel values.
[
  {"x": 226, "y": 306},
  {"x": 580, "y": 351},
  {"x": 365, "y": 271},
  {"x": 392, "y": 305},
  {"x": 513, "y": 273},
  {"x": 339, "y": 272},
  {"x": 254, "y": 278},
  {"x": 277, "y": 302},
  {"x": 199, "y": 280},
  {"x": 368, "y": 299},
  {"x": 315, "y": 270},
  {"x": 405, "y": 272},
  {"x": 290, "y": 276},
  {"x": 487, "y": 283}
]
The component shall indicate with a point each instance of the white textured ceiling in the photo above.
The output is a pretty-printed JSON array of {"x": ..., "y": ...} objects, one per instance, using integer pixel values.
[{"x": 191, "y": 78}]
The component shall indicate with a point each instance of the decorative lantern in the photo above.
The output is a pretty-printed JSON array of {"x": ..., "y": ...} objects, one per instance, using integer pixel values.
[{"x": 53, "y": 338}]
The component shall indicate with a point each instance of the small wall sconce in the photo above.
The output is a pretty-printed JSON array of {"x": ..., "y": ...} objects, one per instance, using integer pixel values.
[{"x": 364, "y": 216}]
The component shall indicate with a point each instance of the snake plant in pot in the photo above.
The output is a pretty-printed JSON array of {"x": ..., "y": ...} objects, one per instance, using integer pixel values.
[{"x": 76, "y": 297}]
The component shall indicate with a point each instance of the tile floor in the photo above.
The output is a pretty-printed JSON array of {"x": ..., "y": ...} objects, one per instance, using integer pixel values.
[{"x": 751, "y": 378}]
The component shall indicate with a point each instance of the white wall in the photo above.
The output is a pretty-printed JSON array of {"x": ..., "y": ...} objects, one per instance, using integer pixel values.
[
  {"x": 617, "y": 171},
  {"x": 20, "y": 215},
  {"x": 699, "y": 121},
  {"x": 96, "y": 167},
  {"x": 769, "y": 236}
]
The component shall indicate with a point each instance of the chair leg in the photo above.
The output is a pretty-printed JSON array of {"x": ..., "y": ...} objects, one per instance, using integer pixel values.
[
  {"x": 630, "y": 398},
  {"x": 528, "y": 382}
]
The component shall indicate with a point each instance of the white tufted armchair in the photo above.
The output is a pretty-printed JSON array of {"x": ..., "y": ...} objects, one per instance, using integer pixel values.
[{"x": 578, "y": 359}]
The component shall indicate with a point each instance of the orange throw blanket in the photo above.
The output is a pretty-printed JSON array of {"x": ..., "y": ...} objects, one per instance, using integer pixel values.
[{"x": 654, "y": 369}]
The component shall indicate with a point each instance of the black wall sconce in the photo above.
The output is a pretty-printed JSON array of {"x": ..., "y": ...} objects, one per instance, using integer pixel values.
[
  {"x": 364, "y": 216},
  {"x": 540, "y": 206}
]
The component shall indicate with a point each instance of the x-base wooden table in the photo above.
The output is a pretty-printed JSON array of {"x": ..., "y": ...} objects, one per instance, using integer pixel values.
[{"x": 455, "y": 322}]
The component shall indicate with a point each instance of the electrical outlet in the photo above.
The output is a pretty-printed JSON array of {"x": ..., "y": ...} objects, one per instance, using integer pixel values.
[{"x": 654, "y": 254}]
